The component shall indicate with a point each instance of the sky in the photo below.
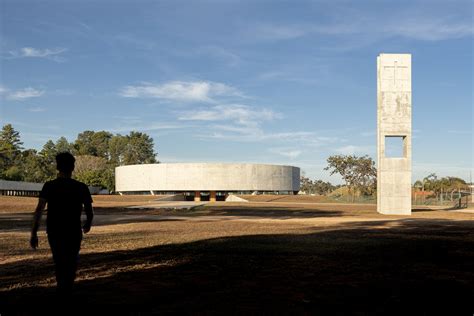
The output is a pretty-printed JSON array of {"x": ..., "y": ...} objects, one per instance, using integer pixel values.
[{"x": 283, "y": 82}]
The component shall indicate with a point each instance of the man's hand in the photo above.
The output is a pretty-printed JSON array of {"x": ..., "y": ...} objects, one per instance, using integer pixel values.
[
  {"x": 86, "y": 228},
  {"x": 34, "y": 241}
]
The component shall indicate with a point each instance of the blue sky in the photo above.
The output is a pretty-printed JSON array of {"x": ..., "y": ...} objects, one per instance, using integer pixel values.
[{"x": 286, "y": 82}]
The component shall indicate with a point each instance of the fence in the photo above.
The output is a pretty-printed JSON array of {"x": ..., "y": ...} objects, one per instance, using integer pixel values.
[{"x": 456, "y": 198}]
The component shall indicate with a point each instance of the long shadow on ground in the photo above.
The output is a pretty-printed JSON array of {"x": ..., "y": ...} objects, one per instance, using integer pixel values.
[
  {"x": 416, "y": 268},
  {"x": 104, "y": 216}
]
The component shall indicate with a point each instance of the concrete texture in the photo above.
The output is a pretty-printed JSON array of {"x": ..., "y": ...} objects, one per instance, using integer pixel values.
[
  {"x": 193, "y": 177},
  {"x": 394, "y": 120}
]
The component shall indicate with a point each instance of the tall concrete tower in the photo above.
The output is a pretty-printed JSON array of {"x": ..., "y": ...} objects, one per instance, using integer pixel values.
[{"x": 394, "y": 134}]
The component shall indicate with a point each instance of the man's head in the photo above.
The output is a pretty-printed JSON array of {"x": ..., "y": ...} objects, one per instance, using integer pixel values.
[{"x": 65, "y": 162}]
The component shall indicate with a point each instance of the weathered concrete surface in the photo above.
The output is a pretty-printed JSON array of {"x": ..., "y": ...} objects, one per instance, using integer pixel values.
[
  {"x": 394, "y": 120},
  {"x": 207, "y": 177}
]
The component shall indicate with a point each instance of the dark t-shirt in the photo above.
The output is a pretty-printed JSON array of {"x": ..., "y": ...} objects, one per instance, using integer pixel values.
[{"x": 65, "y": 198}]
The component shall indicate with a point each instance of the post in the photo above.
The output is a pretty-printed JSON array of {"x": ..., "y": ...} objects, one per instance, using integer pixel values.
[
  {"x": 212, "y": 197},
  {"x": 197, "y": 196}
]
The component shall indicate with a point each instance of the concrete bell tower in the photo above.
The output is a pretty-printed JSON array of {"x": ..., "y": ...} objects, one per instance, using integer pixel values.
[{"x": 394, "y": 134}]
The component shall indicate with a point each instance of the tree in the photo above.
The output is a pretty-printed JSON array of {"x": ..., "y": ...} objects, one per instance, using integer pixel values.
[
  {"x": 90, "y": 170},
  {"x": 139, "y": 149},
  {"x": 117, "y": 147},
  {"x": 98, "y": 154},
  {"x": 33, "y": 168},
  {"x": 93, "y": 144},
  {"x": 10, "y": 151},
  {"x": 359, "y": 173},
  {"x": 321, "y": 187},
  {"x": 62, "y": 145},
  {"x": 315, "y": 186},
  {"x": 440, "y": 186},
  {"x": 306, "y": 185},
  {"x": 48, "y": 159}
]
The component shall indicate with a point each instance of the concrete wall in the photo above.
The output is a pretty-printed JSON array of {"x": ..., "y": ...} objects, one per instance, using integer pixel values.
[
  {"x": 394, "y": 120},
  {"x": 207, "y": 177}
]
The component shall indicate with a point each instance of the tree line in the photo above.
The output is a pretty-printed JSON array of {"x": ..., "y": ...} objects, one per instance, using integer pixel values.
[
  {"x": 360, "y": 177},
  {"x": 441, "y": 186},
  {"x": 97, "y": 154},
  {"x": 358, "y": 173},
  {"x": 316, "y": 186}
]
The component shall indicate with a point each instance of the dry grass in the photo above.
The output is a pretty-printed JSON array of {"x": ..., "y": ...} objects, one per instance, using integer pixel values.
[
  {"x": 274, "y": 257},
  {"x": 14, "y": 204}
]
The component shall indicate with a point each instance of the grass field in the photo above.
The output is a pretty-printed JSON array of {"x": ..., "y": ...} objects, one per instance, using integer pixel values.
[{"x": 267, "y": 256}]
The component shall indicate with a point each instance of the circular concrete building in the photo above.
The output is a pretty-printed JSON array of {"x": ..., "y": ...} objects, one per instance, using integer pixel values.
[{"x": 207, "y": 181}]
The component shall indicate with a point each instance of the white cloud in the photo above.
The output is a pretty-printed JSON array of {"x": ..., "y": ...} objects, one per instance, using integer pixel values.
[
  {"x": 244, "y": 123},
  {"x": 24, "y": 94},
  {"x": 237, "y": 113},
  {"x": 31, "y": 52},
  {"x": 157, "y": 126},
  {"x": 304, "y": 139},
  {"x": 184, "y": 91},
  {"x": 286, "y": 152}
]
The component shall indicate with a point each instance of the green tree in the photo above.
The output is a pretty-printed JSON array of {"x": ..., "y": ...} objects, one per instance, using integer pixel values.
[
  {"x": 139, "y": 149},
  {"x": 359, "y": 173},
  {"x": 83, "y": 144},
  {"x": 62, "y": 145},
  {"x": 10, "y": 152},
  {"x": 117, "y": 148},
  {"x": 92, "y": 170},
  {"x": 321, "y": 187},
  {"x": 48, "y": 159},
  {"x": 306, "y": 184},
  {"x": 13, "y": 173},
  {"x": 33, "y": 168},
  {"x": 93, "y": 144},
  {"x": 443, "y": 186}
]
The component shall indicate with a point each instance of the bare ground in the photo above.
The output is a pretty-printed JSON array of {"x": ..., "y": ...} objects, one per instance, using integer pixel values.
[{"x": 234, "y": 258}]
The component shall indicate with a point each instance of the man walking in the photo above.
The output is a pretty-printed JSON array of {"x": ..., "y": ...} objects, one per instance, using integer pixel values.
[{"x": 66, "y": 198}]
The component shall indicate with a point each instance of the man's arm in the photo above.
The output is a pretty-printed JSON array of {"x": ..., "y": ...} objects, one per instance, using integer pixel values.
[
  {"x": 36, "y": 222},
  {"x": 89, "y": 216}
]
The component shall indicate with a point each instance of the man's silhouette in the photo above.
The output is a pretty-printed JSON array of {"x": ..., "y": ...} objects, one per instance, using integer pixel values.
[{"x": 66, "y": 198}]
